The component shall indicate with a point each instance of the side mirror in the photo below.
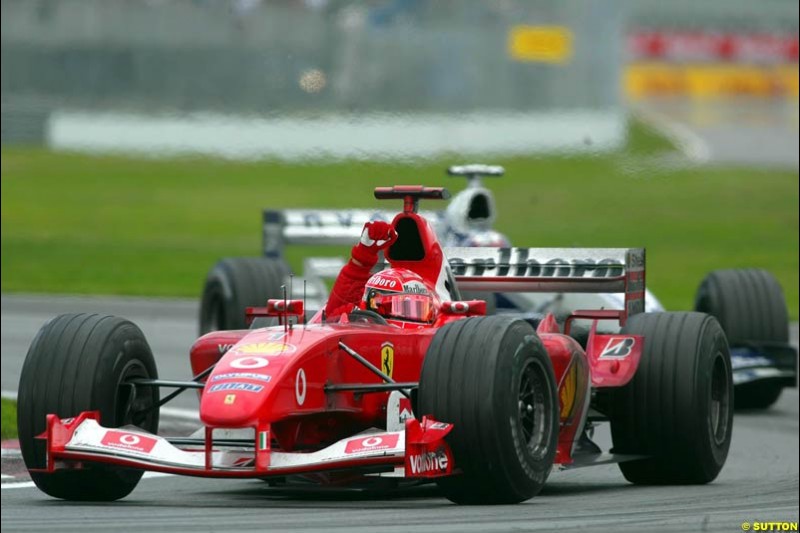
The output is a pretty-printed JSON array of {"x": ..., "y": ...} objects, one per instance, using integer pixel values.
[
  {"x": 463, "y": 308},
  {"x": 275, "y": 307}
]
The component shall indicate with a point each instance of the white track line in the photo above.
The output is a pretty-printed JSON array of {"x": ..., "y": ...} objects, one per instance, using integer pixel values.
[
  {"x": 21, "y": 485},
  {"x": 31, "y": 484},
  {"x": 9, "y": 395},
  {"x": 173, "y": 412},
  {"x": 690, "y": 143}
]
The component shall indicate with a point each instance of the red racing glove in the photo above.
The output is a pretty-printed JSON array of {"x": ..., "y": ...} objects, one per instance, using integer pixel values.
[{"x": 377, "y": 235}]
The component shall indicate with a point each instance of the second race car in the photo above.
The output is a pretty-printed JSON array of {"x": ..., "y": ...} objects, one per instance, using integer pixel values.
[{"x": 748, "y": 303}]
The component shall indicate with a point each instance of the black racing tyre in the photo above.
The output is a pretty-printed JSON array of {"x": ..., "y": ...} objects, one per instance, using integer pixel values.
[
  {"x": 488, "y": 297},
  {"x": 81, "y": 362},
  {"x": 492, "y": 378},
  {"x": 759, "y": 395},
  {"x": 748, "y": 303},
  {"x": 678, "y": 408},
  {"x": 750, "y": 307},
  {"x": 234, "y": 284}
]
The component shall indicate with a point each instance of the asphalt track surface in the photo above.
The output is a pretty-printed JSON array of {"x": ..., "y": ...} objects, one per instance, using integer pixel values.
[{"x": 758, "y": 483}]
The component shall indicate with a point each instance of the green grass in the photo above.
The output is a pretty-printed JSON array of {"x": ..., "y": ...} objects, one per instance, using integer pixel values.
[
  {"x": 75, "y": 223},
  {"x": 9, "y": 427}
]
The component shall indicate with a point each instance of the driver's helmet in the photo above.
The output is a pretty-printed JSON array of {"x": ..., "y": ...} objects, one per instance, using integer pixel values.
[{"x": 400, "y": 294}]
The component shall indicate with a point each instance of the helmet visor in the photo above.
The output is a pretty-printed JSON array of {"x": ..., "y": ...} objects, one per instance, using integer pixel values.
[{"x": 404, "y": 306}]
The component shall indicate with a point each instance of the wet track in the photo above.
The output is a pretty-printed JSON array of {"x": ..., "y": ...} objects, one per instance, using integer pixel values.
[{"x": 758, "y": 483}]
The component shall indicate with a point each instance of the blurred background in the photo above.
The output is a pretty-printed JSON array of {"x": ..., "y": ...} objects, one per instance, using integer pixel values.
[{"x": 140, "y": 139}]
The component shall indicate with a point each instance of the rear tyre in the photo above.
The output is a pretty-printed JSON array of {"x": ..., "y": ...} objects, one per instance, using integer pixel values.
[
  {"x": 492, "y": 378},
  {"x": 234, "y": 284},
  {"x": 750, "y": 306},
  {"x": 82, "y": 362},
  {"x": 678, "y": 408}
]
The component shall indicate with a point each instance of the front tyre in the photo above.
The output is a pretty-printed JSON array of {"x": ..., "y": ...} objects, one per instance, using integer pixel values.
[
  {"x": 84, "y": 362},
  {"x": 750, "y": 306},
  {"x": 493, "y": 380},
  {"x": 678, "y": 408}
]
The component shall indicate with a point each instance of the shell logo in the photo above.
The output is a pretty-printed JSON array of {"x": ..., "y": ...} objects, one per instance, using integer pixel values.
[{"x": 266, "y": 348}]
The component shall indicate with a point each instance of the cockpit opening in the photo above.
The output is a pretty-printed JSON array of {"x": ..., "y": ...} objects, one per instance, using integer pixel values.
[
  {"x": 408, "y": 246},
  {"x": 479, "y": 207}
]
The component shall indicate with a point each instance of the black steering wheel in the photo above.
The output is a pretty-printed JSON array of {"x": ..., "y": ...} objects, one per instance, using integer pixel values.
[{"x": 359, "y": 315}]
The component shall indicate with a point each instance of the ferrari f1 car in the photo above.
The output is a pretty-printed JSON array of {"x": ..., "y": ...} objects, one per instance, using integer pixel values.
[
  {"x": 748, "y": 303},
  {"x": 484, "y": 406}
]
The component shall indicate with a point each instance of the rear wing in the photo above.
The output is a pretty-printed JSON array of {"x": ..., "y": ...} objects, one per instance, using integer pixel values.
[
  {"x": 588, "y": 270},
  {"x": 335, "y": 227}
]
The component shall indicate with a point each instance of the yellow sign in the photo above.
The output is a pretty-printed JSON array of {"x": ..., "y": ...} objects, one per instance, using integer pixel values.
[
  {"x": 544, "y": 44},
  {"x": 700, "y": 81},
  {"x": 229, "y": 399},
  {"x": 387, "y": 358}
]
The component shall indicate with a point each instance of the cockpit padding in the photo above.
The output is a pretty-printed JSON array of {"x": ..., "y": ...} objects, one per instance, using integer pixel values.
[{"x": 408, "y": 246}]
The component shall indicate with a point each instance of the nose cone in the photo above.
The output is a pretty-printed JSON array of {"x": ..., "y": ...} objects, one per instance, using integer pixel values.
[
  {"x": 263, "y": 377},
  {"x": 245, "y": 379}
]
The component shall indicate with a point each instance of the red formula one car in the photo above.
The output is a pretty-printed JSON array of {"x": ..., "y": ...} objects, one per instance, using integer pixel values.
[{"x": 485, "y": 406}]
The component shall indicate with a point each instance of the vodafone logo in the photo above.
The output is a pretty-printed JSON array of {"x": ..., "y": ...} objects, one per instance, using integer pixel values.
[
  {"x": 249, "y": 362},
  {"x": 128, "y": 441},
  {"x": 300, "y": 387},
  {"x": 429, "y": 462},
  {"x": 459, "y": 308},
  {"x": 371, "y": 444}
]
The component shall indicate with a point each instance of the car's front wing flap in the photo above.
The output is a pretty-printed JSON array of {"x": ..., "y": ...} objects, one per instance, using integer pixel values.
[
  {"x": 73, "y": 442},
  {"x": 772, "y": 362}
]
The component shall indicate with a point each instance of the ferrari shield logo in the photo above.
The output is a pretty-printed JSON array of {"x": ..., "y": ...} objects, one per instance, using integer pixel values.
[
  {"x": 387, "y": 358},
  {"x": 569, "y": 387},
  {"x": 229, "y": 399}
]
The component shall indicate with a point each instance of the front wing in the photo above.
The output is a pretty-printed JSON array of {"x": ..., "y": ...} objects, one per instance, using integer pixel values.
[
  {"x": 75, "y": 441},
  {"x": 761, "y": 362}
]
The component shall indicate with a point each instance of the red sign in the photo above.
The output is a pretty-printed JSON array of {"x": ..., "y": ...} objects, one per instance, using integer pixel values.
[
  {"x": 384, "y": 282},
  {"x": 701, "y": 46},
  {"x": 371, "y": 444},
  {"x": 128, "y": 441}
]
